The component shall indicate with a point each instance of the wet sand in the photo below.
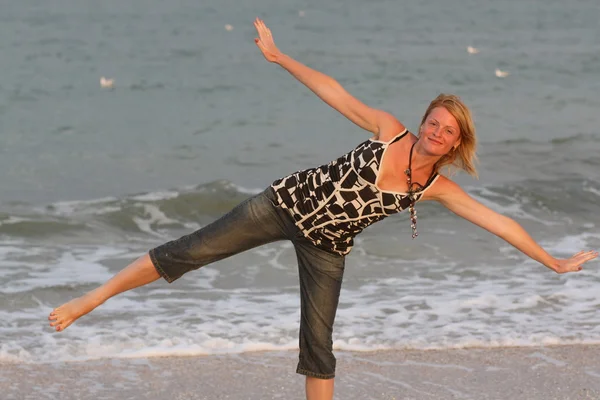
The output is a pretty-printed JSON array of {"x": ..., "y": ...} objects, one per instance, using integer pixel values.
[{"x": 528, "y": 373}]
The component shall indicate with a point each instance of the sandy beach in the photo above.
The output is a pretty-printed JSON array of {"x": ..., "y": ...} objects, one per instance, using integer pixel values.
[{"x": 562, "y": 372}]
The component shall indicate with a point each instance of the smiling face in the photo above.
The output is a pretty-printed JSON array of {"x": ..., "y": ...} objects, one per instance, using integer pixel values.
[
  {"x": 440, "y": 132},
  {"x": 446, "y": 124}
]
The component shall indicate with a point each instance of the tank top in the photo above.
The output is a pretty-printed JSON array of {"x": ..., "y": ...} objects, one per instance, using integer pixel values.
[{"x": 333, "y": 203}]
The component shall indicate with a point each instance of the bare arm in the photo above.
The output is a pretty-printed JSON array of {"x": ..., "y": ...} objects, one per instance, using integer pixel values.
[
  {"x": 459, "y": 202},
  {"x": 380, "y": 123}
]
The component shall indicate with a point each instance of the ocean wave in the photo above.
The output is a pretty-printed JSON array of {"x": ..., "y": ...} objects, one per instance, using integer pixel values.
[
  {"x": 142, "y": 213},
  {"x": 159, "y": 214}
]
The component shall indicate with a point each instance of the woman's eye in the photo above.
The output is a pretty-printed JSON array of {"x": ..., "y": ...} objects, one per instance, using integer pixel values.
[
  {"x": 449, "y": 132},
  {"x": 432, "y": 123}
]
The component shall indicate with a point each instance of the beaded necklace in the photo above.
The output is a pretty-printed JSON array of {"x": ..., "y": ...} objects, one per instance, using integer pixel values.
[{"x": 412, "y": 193}]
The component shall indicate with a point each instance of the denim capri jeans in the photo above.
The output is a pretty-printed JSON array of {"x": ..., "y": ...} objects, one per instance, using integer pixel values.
[{"x": 254, "y": 222}]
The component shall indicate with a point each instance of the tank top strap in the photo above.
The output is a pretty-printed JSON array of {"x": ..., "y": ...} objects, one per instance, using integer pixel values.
[
  {"x": 399, "y": 136},
  {"x": 431, "y": 179}
]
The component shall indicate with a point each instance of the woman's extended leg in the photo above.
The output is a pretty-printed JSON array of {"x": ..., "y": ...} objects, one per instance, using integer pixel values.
[
  {"x": 138, "y": 273},
  {"x": 252, "y": 223}
]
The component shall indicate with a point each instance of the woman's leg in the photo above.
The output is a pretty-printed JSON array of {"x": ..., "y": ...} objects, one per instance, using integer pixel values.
[
  {"x": 138, "y": 273},
  {"x": 252, "y": 223},
  {"x": 319, "y": 389},
  {"x": 320, "y": 274}
]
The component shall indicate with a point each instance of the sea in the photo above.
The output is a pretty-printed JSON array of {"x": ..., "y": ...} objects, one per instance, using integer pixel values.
[{"x": 191, "y": 120}]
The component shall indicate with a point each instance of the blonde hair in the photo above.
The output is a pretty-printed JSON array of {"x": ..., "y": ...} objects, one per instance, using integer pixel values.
[{"x": 463, "y": 157}]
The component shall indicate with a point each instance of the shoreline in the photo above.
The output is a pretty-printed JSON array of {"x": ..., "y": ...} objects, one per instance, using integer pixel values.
[{"x": 529, "y": 373}]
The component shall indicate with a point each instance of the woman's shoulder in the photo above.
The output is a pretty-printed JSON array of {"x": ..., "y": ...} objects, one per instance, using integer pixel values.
[
  {"x": 439, "y": 187},
  {"x": 389, "y": 128}
]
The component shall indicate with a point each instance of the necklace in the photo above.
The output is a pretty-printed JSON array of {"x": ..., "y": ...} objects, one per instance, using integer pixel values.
[{"x": 413, "y": 188}]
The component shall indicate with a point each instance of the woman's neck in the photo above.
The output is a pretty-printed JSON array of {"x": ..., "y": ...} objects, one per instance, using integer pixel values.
[{"x": 422, "y": 161}]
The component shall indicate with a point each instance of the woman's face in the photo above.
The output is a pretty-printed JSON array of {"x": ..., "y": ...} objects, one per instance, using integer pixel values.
[{"x": 440, "y": 132}]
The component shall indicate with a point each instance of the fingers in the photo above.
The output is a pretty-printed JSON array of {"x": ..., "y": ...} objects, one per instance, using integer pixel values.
[
  {"x": 590, "y": 255},
  {"x": 261, "y": 28},
  {"x": 586, "y": 255},
  {"x": 260, "y": 23},
  {"x": 576, "y": 261},
  {"x": 582, "y": 257}
]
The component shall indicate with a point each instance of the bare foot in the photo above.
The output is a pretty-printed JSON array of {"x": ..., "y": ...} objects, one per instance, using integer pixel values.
[{"x": 68, "y": 313}]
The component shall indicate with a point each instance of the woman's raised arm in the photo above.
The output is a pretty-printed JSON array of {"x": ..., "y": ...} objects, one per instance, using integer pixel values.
[{"x": 380, "y": 123}]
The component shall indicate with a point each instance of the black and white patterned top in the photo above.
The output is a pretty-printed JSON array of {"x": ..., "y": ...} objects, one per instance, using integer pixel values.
[{"x": 333, "y": 203}]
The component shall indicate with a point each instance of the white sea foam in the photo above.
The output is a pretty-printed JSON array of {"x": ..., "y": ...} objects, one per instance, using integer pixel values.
[
  {"x": 592, "y": 190},
  {"x": 245, "y": 190},
  {"x": 571, "y": 244},
  {"x": 78, "y": 266},
  {"x": 526, "y": 307},
  {"x": 250, "y": 302},
  {"x": 152, "y": 216},
  {"x": 156, "y": 196}
]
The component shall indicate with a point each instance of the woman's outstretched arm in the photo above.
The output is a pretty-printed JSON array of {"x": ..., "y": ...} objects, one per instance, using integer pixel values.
[
  {"x": 379, "y": 122},
  {"x": 456, "y": 200}
]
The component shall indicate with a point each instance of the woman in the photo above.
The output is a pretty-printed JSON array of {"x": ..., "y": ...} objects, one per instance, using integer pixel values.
[{"x": 321, "y": 210}]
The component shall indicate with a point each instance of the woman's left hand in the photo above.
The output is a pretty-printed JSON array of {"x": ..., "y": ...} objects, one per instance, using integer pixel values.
[
  {"x": 574, "y": 263},
  {"x": 265, "y": 42}
]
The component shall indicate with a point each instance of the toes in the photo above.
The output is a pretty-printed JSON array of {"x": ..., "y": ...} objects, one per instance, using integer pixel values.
[{"x": 56, "y": 321}]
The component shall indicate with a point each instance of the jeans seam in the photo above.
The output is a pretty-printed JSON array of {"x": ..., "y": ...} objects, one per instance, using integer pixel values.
[
  {"x": 333, "y": 256},
  {"x": 273, "y": 211},
  {"x": 303, "y": 371},
  {"x": 158, "y": 267}
]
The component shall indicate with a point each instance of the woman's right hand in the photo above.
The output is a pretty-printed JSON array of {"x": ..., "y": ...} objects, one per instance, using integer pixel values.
[
  {"x": 574, "y": 263},
  {"x": 265, "y": 42}
]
